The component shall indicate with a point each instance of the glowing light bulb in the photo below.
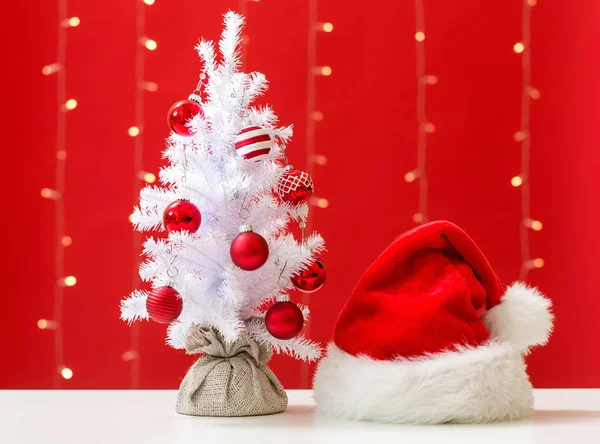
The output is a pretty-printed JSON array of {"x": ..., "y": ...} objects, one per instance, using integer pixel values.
[
  {"x": 322, "y": 202},
  {"x": 516, "y": 181},
  {"x": 538, "y": 262},
  {"x": 71, "y": 104},
  {"x": 411, "y": 176},
  {"x": 532, "y": 2},
  {"x": 535, "y": 225},
  {"x": 61, "y": 154},
  {"x": 327, "y": 27},
  {"x": 48, "y": 193},
  {"x": 133, "y": 131},
  {"x": 429, "y": 127},
  {"x": 418, "y": 218},
  {"x": 45, "y": 324},
  {"x": 66, "y": 241},
  {"x": 131, "y": 218},
  {"x": 69, "y": 281},
  {"x": 149, "y": 2},
  {"x": 419, "y": 36},
  {"x": 534, "y": 93},
  {"x": 149, "y": 177},
  {"x": 129, "y": 355},
  {"x": 320, "y": 159},
  {"x": 74, "y": 21},
  {"x": 66, "y": 373},
  {"x": 326, "y": 70},
  {"x": 149, "y": 86},
  {"x": 317, "y": 115},
  {"x": 520, "y": 136},
  {"x": 431, "y": 80},
  {"x": 50, "y": 69},
  {"x": 150, "y": 44},
  {"x": 519, "y": 47}
]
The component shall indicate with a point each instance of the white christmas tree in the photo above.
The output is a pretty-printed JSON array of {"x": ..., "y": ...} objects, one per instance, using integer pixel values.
[{"x": 247, "y": 186}]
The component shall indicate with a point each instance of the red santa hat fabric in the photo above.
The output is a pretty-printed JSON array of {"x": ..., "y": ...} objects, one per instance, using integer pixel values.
[{"x": 430, "y": 335}]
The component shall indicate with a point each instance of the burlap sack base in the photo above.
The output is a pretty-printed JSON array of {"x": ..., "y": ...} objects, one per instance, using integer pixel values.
[{"x": 229, "y": 379}]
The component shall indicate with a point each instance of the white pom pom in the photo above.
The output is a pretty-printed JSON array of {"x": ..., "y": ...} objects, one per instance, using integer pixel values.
[{"x": 523, "y": 317}]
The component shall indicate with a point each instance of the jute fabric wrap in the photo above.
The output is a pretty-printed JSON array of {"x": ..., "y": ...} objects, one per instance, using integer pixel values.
[{"x": 229, "y": 379}]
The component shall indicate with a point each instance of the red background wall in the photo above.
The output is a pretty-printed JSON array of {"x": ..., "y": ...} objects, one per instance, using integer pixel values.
[{"x": 368, "y": 135}]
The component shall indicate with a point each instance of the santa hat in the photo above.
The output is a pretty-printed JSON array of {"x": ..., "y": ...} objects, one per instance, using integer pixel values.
[{"x": 430, "y": 335}]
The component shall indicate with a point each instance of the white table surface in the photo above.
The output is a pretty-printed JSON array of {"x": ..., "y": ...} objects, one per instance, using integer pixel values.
[{"x": 148, "y": 416}]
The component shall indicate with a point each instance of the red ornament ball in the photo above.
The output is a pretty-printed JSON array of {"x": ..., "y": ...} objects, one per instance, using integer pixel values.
[
  {"x": 311, "y": 279},
  {"x": 182, "y": 215},
  {"x": 249, "y": 250},
  {"x": 180, "y": 115},
  {"x": 164, "y": 305},
  {"x": 253, "y": 143},
  {"x": 284, "y": 319},
  {"x": 295, "y": 186}
]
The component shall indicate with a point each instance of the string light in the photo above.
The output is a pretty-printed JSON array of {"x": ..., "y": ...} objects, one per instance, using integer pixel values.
[
  {"x": 66, "y": 372},
  {"x": 523, "y": 136},
  {"x": 45, "y": 324},
  {"x": 424, "y": 126},
  {"x": 56, "y": 193},
  {"x": 71, "y": 104},
  {"x": 318, "y": 116},
  {"x": 518, "y": 47},
  {"x": 325, "y": 27},
  {"x": 149, "y": 86},
  {"x": 51, "y": 69},
  {"x": 150, "y": 44},
  {"x": 147, "y": 177},
  {"x": 315, "y": 28},
  {"x": 69, "y": 281},
  {"x": 320, "y": 159},
  {"x": 516, "y": 181},
  {"x": 142, "y": 85}
]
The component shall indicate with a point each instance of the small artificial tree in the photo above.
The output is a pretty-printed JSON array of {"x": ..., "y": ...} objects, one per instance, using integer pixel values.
[{"x": 226, "y": 200}]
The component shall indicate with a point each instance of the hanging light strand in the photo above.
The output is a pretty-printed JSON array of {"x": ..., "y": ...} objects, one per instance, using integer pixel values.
[
  {"x": 523, "y": 136},
  {"x": 56, "y": 194},
  {"x": 312, "y": 117},
  {"x": 142, "y": 86},
  {"x": 419, "y": 174}
]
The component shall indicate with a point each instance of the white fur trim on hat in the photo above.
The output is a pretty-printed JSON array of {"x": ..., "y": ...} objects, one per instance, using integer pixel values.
[
  {"x": 466, "y": 385},
  {"x": 523, "y": 317}
]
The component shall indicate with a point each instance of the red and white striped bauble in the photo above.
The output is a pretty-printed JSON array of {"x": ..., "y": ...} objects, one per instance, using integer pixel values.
[{"x": 253, "y": 143}]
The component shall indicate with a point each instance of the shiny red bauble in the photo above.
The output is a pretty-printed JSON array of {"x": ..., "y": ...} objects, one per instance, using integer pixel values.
[
  {"x": 284, "y": 320},
  {"x": 310, "y": 279},
  {"x": 180, "y": 115},
  {"x": 182, "y": 215},
  {"x": 249, "y": 250},
  {"x": 164, "y": 305},
  {"x": 294, "y": 186}
]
